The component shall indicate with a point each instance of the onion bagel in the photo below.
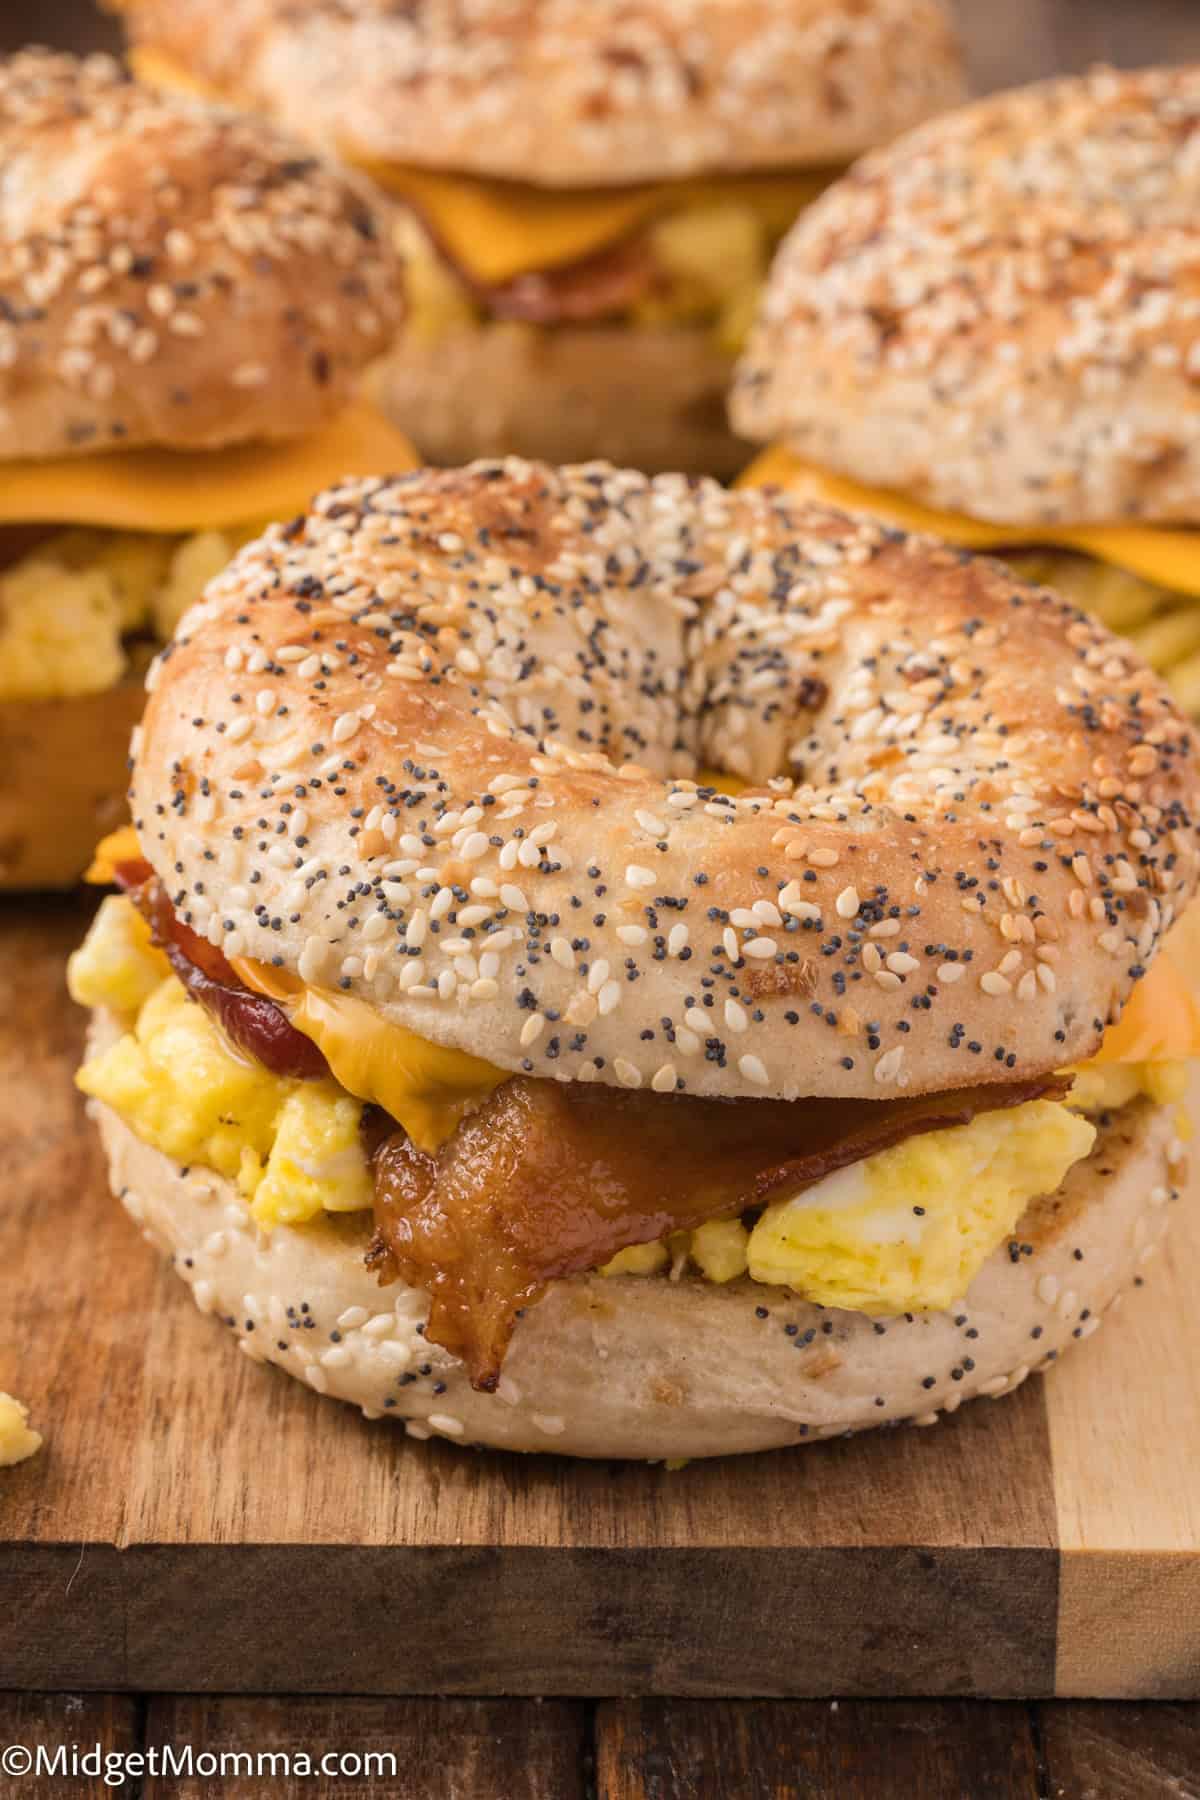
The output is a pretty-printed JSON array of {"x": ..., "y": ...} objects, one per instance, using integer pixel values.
[
  {"x": 598, "y": 874},
  {"x": 187, "y": 301}
]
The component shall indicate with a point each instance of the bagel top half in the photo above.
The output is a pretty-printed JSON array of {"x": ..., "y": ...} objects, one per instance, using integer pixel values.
[
  {"x": 172, "y": 275},
  {"x": 442, "y": 745},
  {"x": 999, "y": 315},
  {"x": 565, "y": 93}
]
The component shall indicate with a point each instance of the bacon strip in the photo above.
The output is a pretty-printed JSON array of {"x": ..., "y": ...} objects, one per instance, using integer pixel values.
[
  {"x": 600, "y": 286},
  {"x": 258, "y": 1026},
  {"x": 548, "y": 1180}
]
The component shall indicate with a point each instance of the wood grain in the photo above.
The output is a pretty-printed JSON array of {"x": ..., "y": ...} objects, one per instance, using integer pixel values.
[
  {"x": 1098, "y": 1752},
  {"x": 111, "y": 1721},
  {"x": 1126, "y": 1459},
  {"x": 443, "y": 1749},
  {"x": 852, "y": 1750},
  {"x": 632, "y": 1750}
]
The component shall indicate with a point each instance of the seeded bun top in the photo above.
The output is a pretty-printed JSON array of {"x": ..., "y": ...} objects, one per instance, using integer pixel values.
[
  {"x": 1000, "y": 314},
  {"x": 442, "y": 743},
  {"x": 172, "y": 274},
  {"x": 570, "y": 92}
]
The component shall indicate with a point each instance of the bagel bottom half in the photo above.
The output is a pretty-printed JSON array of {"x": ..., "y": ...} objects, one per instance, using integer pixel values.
[
  {"x": 64, "y": 771},
  {"x": 642, "y": 397},
  {"x": 647, "y": 1367}
]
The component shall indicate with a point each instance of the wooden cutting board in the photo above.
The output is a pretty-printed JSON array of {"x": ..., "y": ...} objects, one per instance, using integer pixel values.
[{"x": 196, "y": 1522}]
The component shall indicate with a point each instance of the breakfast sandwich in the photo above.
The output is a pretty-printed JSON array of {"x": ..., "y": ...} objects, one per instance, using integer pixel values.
[
  {"x": 991, "y": 331},
  {"x": 588, "y": 196},
  {"x": 619, "y": 966},
  {"x": 186, "y": 302}
]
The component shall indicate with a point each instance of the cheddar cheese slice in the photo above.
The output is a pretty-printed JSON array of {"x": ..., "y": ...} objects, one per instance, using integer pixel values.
[
  {"x": 1169, "y": 558},
  {"x": 425, "y": 1087},
  {"x": 1161, "y": 1020},
  {"x": 201, "y": 490}
]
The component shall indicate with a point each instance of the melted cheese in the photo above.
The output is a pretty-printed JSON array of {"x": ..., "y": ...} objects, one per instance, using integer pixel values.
[
  {"x": 120, "y": 846},
  {"x": 426, "y": 1088},
  {"x": 1161, "y": 1020},
  {"x": 500, "y": 229},
  {"x": 1169, "y": 558},
  {"x": 197, "y": 490},
  {"x": 497, "y": 230}
]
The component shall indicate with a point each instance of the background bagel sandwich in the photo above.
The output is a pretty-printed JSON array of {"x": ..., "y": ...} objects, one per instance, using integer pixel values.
[
  {"x": 991, "y": 330},
  {"x": 587, "y": 209},
  {"x": 484, "y": 1059},
  {"x": 186, "y": 302}
]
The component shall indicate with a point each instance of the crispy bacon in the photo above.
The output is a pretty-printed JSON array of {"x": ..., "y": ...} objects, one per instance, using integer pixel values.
[
  {"x": 255, "y": 1024},
  {"x": 548, "y": 1180}
]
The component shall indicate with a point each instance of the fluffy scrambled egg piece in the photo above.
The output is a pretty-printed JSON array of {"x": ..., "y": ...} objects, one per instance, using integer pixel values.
[
  {"x": 293, "y": 1147},
  {"x": 908, "y": 1229},
  {"x": 1105, "y": 1087},
  {"x": 68, "y": 606},
  {"x": 117, "y": 966},
  {"x": 17, "y": 1441}
]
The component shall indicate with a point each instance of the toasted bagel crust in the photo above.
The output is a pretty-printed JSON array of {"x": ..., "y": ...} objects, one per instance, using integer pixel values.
[
  {"x": 645, "y": 396},
  {"x": 1000, "y": 314},
  {"x": 393, "y": 750},
  {"x": 171, "y": 274},
  {"x": 648, "y": 1367},
  {"x": 550, "y": 93}
]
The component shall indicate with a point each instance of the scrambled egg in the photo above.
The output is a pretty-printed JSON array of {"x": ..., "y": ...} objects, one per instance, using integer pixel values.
[
  {"x": 904, "y": 1230},
  {"x": 1105, "y": 1087},
  {"x": 17, "y": 1441},
  {"x": 68, "y": 606},
  {"x": 293, "y": 1147}
]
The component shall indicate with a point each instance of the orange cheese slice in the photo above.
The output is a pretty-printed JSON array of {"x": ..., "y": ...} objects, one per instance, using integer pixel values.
[
  {"x": 1161, "y": 1020},
  {"x": 425, "y": 1087},
  {"x": 200, "y": 490},
  {"x": 1169, "y": 558}
]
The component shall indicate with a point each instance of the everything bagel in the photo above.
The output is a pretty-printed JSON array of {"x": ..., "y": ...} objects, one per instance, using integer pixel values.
[
  {"x": 536, "y": 666},
  {"x": 509, "y": 785}
]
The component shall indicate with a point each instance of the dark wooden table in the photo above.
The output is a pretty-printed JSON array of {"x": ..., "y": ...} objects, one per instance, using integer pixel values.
[
  {"x": 632, "y": 1749},
  {"x": 663, "y": 1749}
]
